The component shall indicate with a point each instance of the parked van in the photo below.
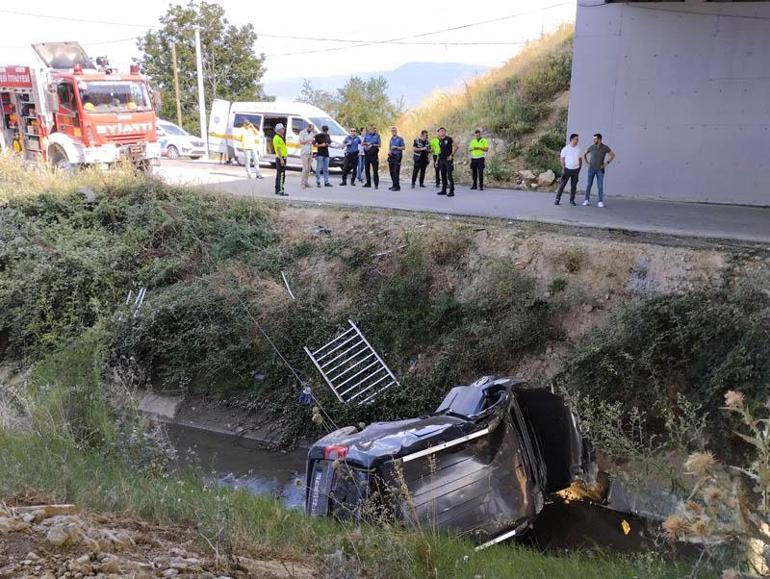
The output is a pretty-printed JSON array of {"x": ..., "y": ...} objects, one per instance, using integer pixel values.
[{"x": 227, "y": 118}]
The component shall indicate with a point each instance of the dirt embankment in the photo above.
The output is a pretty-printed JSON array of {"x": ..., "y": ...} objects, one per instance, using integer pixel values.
[{"x": 61, "y": 542}]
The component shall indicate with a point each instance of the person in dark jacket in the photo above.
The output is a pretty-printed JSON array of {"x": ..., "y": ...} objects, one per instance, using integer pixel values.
[{"x": 422, "y": 150}]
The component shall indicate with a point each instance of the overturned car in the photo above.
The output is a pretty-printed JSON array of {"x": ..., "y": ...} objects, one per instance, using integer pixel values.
[{"x": 479, "y": 466}]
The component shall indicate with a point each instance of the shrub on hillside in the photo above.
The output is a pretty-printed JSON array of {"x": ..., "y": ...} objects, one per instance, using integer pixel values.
[
  {"x": 548, "y": 78},
  {"x": 699, "y": 344}
]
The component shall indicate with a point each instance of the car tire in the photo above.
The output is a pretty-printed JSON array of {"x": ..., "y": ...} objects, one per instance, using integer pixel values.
[{"x": 172, "y": 152}]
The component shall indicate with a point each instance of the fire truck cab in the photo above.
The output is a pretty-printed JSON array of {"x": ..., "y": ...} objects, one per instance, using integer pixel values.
[{"x": 75, "y": 114}]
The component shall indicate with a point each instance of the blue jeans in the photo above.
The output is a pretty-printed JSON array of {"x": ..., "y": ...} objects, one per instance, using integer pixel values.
[
  {"x": 599, "y": 174},
  {"x": 360, "y": 167},
  {"x": 321, "y": 168}
]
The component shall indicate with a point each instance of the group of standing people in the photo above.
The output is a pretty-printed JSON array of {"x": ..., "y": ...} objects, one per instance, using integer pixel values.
[
  {"x": 598, "y": 157},
  {"x": 362, "y": 153}
]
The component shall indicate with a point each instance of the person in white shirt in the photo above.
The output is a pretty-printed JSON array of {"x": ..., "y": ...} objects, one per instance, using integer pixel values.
[
  {"x": 571, "y": 163},
  {"x": 306, "y": 153}
]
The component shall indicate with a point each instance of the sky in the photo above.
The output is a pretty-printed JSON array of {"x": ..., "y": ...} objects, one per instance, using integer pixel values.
[{"x": 107, "y": 28}]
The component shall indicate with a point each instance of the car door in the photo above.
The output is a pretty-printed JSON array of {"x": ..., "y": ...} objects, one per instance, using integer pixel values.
[
  {"x": 162, "y": 138},
  {"x": 67, "y": 119},
  {"x": 220, "y": 112},
  {"x": 296, "y": 126}
]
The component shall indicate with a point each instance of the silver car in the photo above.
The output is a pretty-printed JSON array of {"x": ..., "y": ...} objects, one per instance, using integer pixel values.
[{"x": 175, "y": 142}]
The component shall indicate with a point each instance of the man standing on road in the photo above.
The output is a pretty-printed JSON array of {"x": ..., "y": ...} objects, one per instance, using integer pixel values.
[
  {"x": 435, "y": 149},
  {"x": 571, "y": 162},
  {"x": 249, "y": 143},
  {"x": 322, "y": 142},
  {"x": 372, "y": 144},
  {"x": 421, "y": 148},
  {"x": 596, "y": 166},
  {"x": 478, "y": 148},
  {"x": 361, "y": 156},
  {"x": 279, "y": 146},
  {"x": 447, "y": 150},
  {"x": 351, "y": 143},
  {"x": 395, "y": 153},
  {"x": 306, "y": 139}
]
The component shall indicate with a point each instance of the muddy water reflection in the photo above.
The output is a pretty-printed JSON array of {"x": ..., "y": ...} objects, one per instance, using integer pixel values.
[{"x": 237, "y": 462}]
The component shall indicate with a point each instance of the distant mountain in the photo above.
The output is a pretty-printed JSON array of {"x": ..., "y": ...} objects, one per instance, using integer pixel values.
[{"x": 412, "y": 81}]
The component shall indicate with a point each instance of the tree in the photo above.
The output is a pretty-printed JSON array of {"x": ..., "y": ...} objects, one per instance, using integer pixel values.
[
  {"x": 318, "y": 98},
  {"x": 364, "y": 102},
  {"x": 231, "y": 68}
]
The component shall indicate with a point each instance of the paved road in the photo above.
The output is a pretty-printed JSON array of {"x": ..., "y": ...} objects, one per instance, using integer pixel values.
[{"x": 646, "y": 216}]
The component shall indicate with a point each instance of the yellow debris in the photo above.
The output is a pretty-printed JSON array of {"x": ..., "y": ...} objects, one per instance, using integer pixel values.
[{"x": 625, "y": 526}]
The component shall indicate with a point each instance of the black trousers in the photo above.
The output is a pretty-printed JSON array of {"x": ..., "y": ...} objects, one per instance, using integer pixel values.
[
  {"x": 570, "y": 175},
  {"x": 349, "y": 165},
  {"x": 446, "y": 168},
  {"x": 419, "y": 169},
  {"x": 394, "y": 164},
  {"x": 280, "y": 175},
  {"x": 372, "y": 166},
  {"x": 477, "y": 170},
  {"x": 435, "y": 167}
]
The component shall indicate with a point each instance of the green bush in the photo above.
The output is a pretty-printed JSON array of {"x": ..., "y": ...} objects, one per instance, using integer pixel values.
[
  {"x": 540, "y": 156},
  {"x": 549, "y": 78},
  {"x": 699, "y": 344}
]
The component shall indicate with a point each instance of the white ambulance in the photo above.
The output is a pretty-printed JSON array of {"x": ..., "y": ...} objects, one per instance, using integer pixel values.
[{"x": 227, "y": 118}]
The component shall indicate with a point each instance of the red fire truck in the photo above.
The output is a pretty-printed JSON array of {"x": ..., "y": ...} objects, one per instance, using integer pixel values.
[{"x": 71, "y": 113}]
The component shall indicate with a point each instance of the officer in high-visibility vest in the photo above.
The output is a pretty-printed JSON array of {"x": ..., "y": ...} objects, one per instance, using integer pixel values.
[
  {"x": 478, "y": 148},
  {"x": 279, "y": 146},
  {"x": 435, "y": 149}
]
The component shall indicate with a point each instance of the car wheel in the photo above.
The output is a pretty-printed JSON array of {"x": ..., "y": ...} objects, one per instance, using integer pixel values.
[{"x": 172, "y": 152}]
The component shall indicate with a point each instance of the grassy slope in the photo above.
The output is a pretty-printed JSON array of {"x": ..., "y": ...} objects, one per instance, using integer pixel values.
[
  {"x": 452, "y": 303},
  {"x": 521, "y": 106},
  {"x": 446, "y": 303},
  {"x": 240, "y": 523}
]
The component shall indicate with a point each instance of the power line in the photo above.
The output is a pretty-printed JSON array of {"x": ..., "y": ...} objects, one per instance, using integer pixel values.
[
  {"x": 72, "y": 19},
  {"x": 423, "y": 34}
]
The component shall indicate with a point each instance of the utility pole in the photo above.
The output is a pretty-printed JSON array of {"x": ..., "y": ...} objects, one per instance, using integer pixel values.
[
  {"x": 176, "y": 85},
  {"x": 201, "y": 94}
]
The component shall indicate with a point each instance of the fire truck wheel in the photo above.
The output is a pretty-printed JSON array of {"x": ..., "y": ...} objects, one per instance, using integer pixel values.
[
  {"x": 59, "y": 159},
  {"x": 146, "y": 167},
  {"x": 172, "y": 152}
]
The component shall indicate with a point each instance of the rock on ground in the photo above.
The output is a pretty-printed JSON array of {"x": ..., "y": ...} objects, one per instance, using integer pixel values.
[{"x": 60, "y": 542}]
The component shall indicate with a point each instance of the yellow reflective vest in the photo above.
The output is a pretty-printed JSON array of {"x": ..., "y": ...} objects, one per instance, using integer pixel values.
[
  {"x": 478, "y": 148},
  {"x": 279, "y": 146}
]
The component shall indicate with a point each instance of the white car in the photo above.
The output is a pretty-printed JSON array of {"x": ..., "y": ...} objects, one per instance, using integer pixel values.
[{"x": 175, "y": 142}]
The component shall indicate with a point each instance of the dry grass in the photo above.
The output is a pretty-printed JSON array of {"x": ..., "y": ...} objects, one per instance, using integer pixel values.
[{"x": 434, "y": 110}]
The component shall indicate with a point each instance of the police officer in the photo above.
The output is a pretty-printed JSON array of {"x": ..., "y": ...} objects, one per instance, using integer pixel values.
[
  {"x": 435, "y": 149},
  {"x": 447, "y": 150},
  {"x": 477, "y": 149},
  {"x": 279, "y": 146},
  {"x": 421, "y": 148},
  {"x": 351, "y": 144},
  {"x": 395, "y": 153},
  {"x": 372, "y": 144}
]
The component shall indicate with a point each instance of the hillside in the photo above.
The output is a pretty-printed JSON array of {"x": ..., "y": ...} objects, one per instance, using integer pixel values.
[
  {"x": 521, "y": 107},
  {"x": 411, "y": 82}
]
